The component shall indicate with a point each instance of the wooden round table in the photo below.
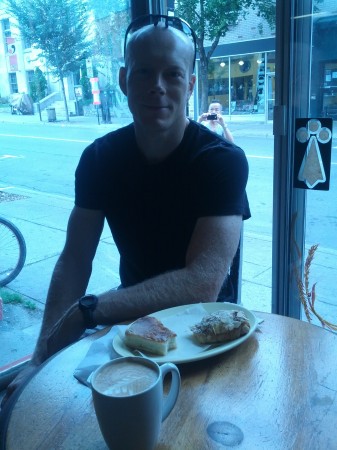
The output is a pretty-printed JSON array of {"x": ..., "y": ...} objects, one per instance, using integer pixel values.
[{"x": 278, "y": 390}]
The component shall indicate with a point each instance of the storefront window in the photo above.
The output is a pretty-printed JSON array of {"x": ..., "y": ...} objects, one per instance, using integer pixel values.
[
  {"x": 243, "y": 71},
  {"x": 259, "y": 84},
  {"x": 329, "y": 100},
  {"x": 218, "y": 88},
  {"x": 270, "y": 57},
  {"x": 270, "y": 84},
  {"x": 243, "y": 84}
]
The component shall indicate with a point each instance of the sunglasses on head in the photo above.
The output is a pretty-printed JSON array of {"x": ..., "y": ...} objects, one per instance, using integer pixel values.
[{"x": 168, "y": 21}]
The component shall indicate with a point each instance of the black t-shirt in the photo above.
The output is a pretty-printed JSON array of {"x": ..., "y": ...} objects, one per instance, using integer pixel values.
[{"x": 152, "y": 208}]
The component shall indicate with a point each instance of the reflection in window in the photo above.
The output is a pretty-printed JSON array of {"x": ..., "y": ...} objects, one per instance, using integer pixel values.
[
  {"x": 218, "y": 88},
  {"x": 240, "y": 83}
]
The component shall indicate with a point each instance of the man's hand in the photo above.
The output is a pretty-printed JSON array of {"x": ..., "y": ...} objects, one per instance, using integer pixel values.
[
  {"x": 221, "y": 121},
  {"x": 203, "y": 117},
  {"x": 227, "y": 134},
  {"x": 66, "y": 331}
]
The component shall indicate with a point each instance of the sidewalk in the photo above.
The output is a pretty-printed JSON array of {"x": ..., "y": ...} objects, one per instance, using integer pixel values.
[
  {"x": 246, "y": 125},
  {"x": 42, "y": 218},
  {"x": 88, "y": 121}
]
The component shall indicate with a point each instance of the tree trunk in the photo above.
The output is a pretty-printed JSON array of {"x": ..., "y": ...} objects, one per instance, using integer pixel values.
[
  {"x": 203, "y": 92},
  {"x": 64, "y": 98}
]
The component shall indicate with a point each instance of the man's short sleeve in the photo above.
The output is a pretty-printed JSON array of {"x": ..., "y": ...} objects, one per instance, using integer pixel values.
[
  {"x": 222, "y": 175},
  {"x": 88, "y": 193}
]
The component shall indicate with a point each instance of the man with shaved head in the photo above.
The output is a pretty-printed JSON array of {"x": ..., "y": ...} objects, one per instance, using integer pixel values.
[{"x": 171, "y": 191}]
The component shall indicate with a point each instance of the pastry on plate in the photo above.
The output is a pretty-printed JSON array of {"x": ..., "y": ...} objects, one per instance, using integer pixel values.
[
  {"x": 221, "y": 326},
  {"x": 151, "y": 336}
]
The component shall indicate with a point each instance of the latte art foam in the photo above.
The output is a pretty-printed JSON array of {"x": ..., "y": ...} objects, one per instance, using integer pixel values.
[{"x": 125, "y": 379}]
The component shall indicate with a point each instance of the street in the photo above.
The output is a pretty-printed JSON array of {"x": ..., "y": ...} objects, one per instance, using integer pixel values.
[{"x": 42, "y": 158}]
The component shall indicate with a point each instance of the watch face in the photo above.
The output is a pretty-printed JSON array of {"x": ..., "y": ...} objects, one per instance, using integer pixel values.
[{"x": 88, "y": 301}]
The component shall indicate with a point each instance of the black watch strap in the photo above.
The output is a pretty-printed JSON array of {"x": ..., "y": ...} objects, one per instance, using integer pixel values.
[{"x": 87, "y": 305}]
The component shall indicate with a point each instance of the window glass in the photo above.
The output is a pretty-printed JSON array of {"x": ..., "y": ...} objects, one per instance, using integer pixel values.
[
  {"x": 38, "y": 163},
  {"x": 238, "y": 76},
  {"x": 329, "y": 88},
  {"x": 6, "y": 27},
  {"x": 243, "y": 75},
  {"x": 243, "y": 83},
  {"x": 13, "y": 83},
  {"x": 321, "y": 206}
]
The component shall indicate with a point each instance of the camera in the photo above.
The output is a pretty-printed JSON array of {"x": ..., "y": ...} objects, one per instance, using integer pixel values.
[{"x": 212, "y": 116}]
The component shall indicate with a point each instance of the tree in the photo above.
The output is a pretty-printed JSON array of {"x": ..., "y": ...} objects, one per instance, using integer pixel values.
[
  {"x": 108, "y": 49},
  {"x": 59, "y": 29},
  {"x": 85, "y": 83},
  {"x": 38, "y": 87},
  {"x": 110, "y": 26},
  {"x": 211, "y": 20}
]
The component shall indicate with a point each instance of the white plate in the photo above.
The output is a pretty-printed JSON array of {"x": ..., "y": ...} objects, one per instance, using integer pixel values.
[{"x": 187, "y": 350}]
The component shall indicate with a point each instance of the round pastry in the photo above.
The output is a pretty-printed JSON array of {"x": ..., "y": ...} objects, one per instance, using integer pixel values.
[{"x": 221, "y": 326}]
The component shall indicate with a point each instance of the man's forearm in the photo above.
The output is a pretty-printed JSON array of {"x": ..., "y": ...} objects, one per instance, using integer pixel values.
[
  {"x": 68, "y": 283},
  {"x": 208, "y": 259},
  {"x": 164, "y": 291}
]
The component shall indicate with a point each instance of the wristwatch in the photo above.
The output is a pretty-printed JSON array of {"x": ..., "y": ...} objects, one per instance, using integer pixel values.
[{"x": 87, "y": 305}]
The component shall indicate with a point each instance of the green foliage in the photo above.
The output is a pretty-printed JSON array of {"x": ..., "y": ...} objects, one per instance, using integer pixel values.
[
  {"x": 266, "y": 10},
  {"x": 59, "y": 28},
  {"x": 212, "y": 19},
  {"x": 107, "y": 50},
  {"x": 86, "y": 87},
  {"x": 13, "y": 298},
  {"x": 104, "y": 8},
  {"x": 38, "y": 88}
]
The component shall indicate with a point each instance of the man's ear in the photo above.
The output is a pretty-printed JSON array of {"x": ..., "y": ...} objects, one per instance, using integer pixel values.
[
  {"x": 191, "y": 84},
  {"x": 122, "y": 80}
]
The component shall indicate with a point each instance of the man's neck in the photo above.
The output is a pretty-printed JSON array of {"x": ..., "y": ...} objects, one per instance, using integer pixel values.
[{"x": 156, "y": 146}]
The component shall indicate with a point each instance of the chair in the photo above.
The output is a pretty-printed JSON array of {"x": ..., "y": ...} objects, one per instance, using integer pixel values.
[{"x": 231, "y": 289}]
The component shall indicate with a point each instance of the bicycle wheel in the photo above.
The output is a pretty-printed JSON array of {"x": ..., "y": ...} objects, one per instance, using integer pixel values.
[{"x": 12, "y": 251}]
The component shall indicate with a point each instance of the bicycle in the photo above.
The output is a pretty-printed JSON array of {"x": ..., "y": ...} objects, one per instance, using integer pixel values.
[{"x": 12, "y": 251}]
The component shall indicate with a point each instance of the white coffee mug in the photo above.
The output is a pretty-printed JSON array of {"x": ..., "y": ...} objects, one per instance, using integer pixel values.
[{"x": 129, "y": 401}]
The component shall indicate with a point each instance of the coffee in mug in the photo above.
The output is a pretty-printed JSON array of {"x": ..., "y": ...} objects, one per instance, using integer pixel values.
[
  {"x": 129, "y": 401},
  {"x": 127, "y": 378}
]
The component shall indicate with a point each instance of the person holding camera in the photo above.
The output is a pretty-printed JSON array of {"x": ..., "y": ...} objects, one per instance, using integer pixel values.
[{"x": 214, "y": 121}]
